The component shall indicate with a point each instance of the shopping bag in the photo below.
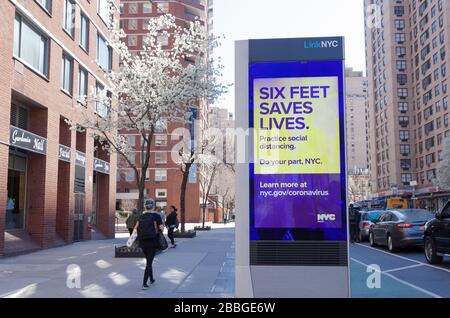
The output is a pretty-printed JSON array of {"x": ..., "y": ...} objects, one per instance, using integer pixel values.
[
  {"x": 132, "y": 238},
  {"x": 162, "y": 242}
]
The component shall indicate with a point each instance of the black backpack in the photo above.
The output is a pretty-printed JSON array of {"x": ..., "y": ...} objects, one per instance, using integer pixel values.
[{"x": 146, "y": 228}]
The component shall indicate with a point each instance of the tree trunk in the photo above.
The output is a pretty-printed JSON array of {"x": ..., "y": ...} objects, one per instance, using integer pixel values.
[
  {"x": 141, "y": 198},
  {"x": 183, "y": 196},
  {"x": 204, "y": 215}
]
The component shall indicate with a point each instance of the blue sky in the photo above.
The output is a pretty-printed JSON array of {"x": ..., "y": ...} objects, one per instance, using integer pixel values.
[{"x": 257, "y": 19}]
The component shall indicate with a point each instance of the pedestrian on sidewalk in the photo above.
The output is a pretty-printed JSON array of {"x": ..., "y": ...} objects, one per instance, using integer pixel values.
[
  {"x": 147, "y": 227},
  {"x": 131, "y": 221},
  {"x": 172, "y": 224},
  {"x": 161, "y": 213}
]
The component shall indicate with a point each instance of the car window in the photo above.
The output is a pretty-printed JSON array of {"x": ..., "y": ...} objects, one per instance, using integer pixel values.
[
  {"x": 446, "y": 212},
  {"x": 416, "y": 215},
  {"x": 373, "y": 216},
  {"x": 394, "y": 217},
  {"x": 383, "y": 217}
]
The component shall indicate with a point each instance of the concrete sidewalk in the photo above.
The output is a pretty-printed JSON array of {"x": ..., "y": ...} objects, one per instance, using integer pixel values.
[{"x": 202, "y": 267}]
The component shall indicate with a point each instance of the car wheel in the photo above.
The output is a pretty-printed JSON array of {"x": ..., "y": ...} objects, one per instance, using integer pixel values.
[
  {"x": 372, "y": 240},
  {"x": 430, "y": 251},
  {"x": 391, "y": 246}
]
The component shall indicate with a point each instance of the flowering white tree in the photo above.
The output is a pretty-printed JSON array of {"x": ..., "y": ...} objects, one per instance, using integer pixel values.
[
  {"x": 158, "y": 85},
  {"x": 443, "y": 173}
]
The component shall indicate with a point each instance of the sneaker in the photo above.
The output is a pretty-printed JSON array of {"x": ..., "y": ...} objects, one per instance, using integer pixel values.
[
  {"x": 173, "y": 246},
  {"x": 145, "y": 287},
  {"x": 152, "y": 281}
]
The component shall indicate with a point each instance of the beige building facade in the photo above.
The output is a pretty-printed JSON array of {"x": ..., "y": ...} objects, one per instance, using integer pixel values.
[
  {"x": 407, "y": 109},
  {"x": 356, "y": 97}
]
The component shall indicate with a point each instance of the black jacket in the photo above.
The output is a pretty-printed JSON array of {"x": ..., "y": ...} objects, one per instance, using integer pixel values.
[
  {"x": 153, "y": 242},
  {"x": 172, "y": 219}
]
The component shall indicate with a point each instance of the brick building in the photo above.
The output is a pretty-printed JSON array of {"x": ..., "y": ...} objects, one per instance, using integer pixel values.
[
  {"x": 164, "y": 176},
  {"x": 54, "y": 187}
]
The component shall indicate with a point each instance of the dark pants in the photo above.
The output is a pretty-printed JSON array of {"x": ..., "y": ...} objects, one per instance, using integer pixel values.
[
  {"x": 131, "y": 231},
  {"x": 170, "y": 235},
  {"x": 149, "y": 253},
  {"x": 353, "y": 231}
]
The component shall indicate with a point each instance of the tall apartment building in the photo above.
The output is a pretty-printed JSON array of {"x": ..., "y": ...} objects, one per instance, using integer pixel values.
[
  {"x": 55, "y": 186},
  {"x": 408, "y": 115},
  {"x": 356, "y": 97},
  {"x": 222, "y": 188},
  {"x": 164, "y": 176}
]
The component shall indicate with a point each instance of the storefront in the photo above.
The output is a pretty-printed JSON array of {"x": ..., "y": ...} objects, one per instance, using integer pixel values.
[
  {"x": 22, "y": 143},
  {"x": 100, "y": 194}
]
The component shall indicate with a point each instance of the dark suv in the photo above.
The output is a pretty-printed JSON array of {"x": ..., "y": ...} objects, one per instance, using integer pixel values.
[{"x": 437, "y": 236}]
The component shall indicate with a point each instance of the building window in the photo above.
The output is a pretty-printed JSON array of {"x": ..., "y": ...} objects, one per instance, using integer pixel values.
[
  {"x": 404, "y": 135},
  {"x": 132, "y": 24},
  {"x": 161, "y": 193},
  {"x": 403, "y": 107},
  {"x": 104, "y": 53},
  {"x": 405, "y": 164},
  {"x": 103, "y": 10},
  {"x": 161, "y": 140},
  {"x": 129, "y": 175},
  {"x": 161, "y": 157},
  {"x": 400, "y": 38},
  {"x": 401, "y": 65},
  {"x": 132, "y": 40},
  {"x": 132, "y": 8},
  {"x": 405, "y": 150},
  {"x": 84, "y": 32},
  {"x": 67, "y": 73},
  {"x": 82, "y": 84},
  {"x": 400, "y": 24},
  {"x": 69, "y": 17},
  {"x": 101, "y": 106},
  {"x": 406, "y": 178},
  {"x": 402, "y": 79},
  {"x": 46, "y": 4},
  {"x": 399, "y": 10},
  {"x": 160, "y": 175},
  {"x": 163, "y": 7},
  {"x": 400, "y": 51},
  {"x": 147, "y": 7},
  {"x": 402, "y": 92},
  {"x": 163, "y": 40},
  {"x": 30, "y": 46}
]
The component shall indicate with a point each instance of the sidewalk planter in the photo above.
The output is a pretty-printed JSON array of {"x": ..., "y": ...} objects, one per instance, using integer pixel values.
[
  {"x": 187, "y": 234},
  {"x": 129, "y": 252},
  {"x": 200, "y": 228}
]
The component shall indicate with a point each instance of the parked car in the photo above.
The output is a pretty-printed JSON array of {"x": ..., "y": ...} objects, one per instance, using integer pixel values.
[
  {"x": 366, "y": 221},
  {"x": 399, "y": 228},
  {"x": 437, "y": 236}
]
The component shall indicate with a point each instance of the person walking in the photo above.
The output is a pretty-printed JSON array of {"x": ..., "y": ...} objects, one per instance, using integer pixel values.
[
  {"x": 171, "y": 224},
  {"x": 161, "y": 213},
  {"x": 147, "y": 227},
  {"x": 131, "y": 221}
]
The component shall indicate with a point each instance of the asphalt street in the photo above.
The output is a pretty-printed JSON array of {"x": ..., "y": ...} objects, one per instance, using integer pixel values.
[{"x": 404, "y": 274}]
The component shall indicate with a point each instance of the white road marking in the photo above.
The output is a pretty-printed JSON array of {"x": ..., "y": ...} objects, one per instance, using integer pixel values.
[
  {"x": 87, "y": 254},
  {"x": 405, "y": 258},
  {"x": 65, "y": 258},
  {"x": 403, "y": 268},
  {"x": 402, "y": 281}
]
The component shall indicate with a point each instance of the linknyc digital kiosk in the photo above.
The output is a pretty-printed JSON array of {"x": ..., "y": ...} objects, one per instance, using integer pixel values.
[{"x": 291, "y": 200}]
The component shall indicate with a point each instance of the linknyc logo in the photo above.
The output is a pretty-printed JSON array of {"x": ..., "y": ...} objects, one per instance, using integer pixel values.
[{"x": 325, "y": 44}]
